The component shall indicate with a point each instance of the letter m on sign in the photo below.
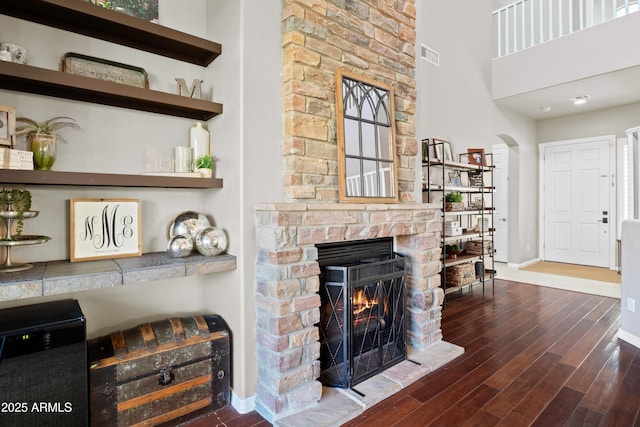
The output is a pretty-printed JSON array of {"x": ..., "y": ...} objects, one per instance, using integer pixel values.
[{"x": 195, "y": 91}]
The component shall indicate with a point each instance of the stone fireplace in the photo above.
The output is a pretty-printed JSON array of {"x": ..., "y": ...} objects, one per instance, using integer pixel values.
[
  {"x": 374, "y": 38},
  {"x": 288, "y": 282}
]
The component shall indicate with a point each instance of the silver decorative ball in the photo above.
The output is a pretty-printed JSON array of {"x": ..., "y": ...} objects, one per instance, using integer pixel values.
[
  {"x": 211, "y": 241},
  {"x": 180, "y": 246}
]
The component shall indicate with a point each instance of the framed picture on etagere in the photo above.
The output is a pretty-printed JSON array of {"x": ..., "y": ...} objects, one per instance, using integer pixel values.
[
  {"x": 442, "y": 150},
  {"x": 454, "y": 179},
  {"x": 477, "y": 156}
]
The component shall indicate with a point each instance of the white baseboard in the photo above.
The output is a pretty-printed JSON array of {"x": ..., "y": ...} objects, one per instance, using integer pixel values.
[
  {"x": 523, "y": 264},
  {"x": 243, "y": 406},
  {"x": 630, "y": 338}
]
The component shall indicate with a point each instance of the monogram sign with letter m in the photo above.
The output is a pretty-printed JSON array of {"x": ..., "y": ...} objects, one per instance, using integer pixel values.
[{"x": 105, "y": 228}]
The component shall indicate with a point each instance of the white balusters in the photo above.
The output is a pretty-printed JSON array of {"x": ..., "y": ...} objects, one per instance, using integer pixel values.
[{"x": 526, "y": 23}]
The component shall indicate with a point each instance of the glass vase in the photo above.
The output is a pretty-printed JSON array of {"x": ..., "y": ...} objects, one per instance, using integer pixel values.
[{"x": 44, "y": 151}]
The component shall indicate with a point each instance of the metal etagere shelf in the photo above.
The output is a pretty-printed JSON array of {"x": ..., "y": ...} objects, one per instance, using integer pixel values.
[{"x": 467, "y": 225}]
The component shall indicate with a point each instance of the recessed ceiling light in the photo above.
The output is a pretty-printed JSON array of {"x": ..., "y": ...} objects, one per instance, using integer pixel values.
[
  {"x": 579, "y": 100},
  {"x": 546, "y": 109}
]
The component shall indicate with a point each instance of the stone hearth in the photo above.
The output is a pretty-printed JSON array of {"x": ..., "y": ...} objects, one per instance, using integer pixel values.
[
  {"x": 338, "y": 406},
  {"x": 287, "y": 283}
]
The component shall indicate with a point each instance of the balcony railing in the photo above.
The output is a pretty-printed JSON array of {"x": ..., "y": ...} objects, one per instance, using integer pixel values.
[{"x": 526, "y": 23}]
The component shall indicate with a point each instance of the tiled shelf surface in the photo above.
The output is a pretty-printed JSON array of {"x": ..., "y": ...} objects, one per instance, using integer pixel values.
[{"x": 60, "y": 277}]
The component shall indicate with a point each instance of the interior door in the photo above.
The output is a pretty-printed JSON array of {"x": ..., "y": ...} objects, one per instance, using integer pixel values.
[
  {"x": 501, "y": 202},
  {"x": 577, "y": 185}
]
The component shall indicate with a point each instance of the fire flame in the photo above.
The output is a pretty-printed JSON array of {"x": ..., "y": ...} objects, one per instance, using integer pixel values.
[{"x": 361, "y": 302}]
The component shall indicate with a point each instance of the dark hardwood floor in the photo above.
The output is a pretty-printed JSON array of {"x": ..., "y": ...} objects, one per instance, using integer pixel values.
[{"x": 533, "y": 356}]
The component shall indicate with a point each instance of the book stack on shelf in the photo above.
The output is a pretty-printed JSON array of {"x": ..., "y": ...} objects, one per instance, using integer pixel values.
[{"x": 15, "y": 159}]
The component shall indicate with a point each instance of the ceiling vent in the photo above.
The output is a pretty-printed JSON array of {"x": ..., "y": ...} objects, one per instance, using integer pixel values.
[{"x": 430, "y": 55}]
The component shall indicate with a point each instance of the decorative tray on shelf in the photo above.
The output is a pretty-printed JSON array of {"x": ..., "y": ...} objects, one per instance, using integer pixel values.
[
  {"x": 25, "y": 240},
  {"x": 10, "y": 241}
]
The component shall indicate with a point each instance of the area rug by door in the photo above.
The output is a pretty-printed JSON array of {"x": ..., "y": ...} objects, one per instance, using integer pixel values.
[{"x": 573, "y": 270}]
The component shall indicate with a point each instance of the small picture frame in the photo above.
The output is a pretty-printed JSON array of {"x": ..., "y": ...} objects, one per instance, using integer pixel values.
[
  {"x": 477, "y": 156},
  {"x": 7, "y": 125},
  {"x": 442, "y": 150},
  {"x": 454, "y": 179},
  {"x": 475, "y": 178},
  {"x": 104, "y": 228},
  {"x": 483, "y": 224},
  {"x": 478, "y": 203},
  {"x": 427, "y": 150}
]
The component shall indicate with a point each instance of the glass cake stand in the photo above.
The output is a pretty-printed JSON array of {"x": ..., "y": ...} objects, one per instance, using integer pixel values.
[{"x": 9, "y": 241}]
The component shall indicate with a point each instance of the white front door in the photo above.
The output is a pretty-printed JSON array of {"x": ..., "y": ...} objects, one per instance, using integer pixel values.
[
  {"x": 501, "y": 202},
  {"x": 576, "y": 196}
]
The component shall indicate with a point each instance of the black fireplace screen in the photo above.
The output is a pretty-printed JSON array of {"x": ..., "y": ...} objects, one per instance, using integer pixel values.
[{"x": 362, "y": 328}]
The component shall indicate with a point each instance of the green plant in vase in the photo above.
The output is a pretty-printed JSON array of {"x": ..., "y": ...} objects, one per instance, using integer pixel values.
[
  {"x": 18, "y": 201},
  {"x": 44, "y": 136},
  {"x": 453, "y": 201},
  {"x": 204, "y": 165},
  {"x": 455, "y": 197},
  {"x": 453, "y": 251}
]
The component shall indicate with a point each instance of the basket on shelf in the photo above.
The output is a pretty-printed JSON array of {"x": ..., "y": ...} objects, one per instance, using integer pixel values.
[
  {"x": 453, "y": 201},
  {"x": 478, "y": 247},
  {"x": 453, "y": 206},
  {"x": 460, "y": 275}
]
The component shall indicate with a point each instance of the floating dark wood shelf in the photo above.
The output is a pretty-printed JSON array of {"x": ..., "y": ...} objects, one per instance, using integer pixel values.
[
  {"x": 103, "y": 179},
  {"x": 25, "y": 78},
  {"x": 85, "y": 18}
]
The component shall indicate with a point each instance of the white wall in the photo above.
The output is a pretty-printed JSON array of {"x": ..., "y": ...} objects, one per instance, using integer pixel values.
[
  {"x": 248, "y": 138},
  {"x": 630, "y": 288},
  {"x": 519, "y": 133},
  {"x": 600, "y": 49},
  {"x": 454, "y": 99},
  {"x": 609, "y": 121},
  {"x": 604, "y": 48},
  {"x": 455, "y": 104},
  {"x": 177, "y": 15}
]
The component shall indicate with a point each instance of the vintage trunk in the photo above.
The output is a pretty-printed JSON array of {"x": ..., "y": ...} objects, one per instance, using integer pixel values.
[{"x": 159, "y": 371}]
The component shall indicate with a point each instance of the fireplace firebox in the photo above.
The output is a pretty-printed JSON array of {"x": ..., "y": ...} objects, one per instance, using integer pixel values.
[{"x": 362, "y": 312}]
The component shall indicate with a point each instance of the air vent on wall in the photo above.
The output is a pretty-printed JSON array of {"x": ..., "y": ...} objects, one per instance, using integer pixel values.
[{"x": 430, "y": 55}]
